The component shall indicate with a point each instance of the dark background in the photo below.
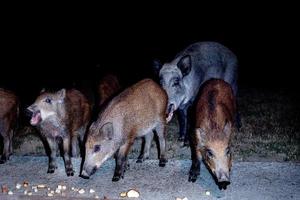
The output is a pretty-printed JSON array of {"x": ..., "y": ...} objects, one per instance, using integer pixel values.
[{"x": 62, "y": 47}]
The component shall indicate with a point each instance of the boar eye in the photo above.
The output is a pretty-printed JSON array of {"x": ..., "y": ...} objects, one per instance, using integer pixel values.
[
  {"x": 176, "y": 82},
  {"x": 227, "y": 151},
  {"x": 97, "y": 148},
  {"x": 48, "y": 100},
  {"x": 209, "y": 154}
]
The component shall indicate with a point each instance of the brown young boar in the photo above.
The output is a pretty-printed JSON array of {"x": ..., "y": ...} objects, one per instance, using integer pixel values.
[
  {"x": 214, "y": 122},
  {"x": 108, "y": 87},
  {"x": 136, "y": 112},
  {"x": 63, "y": 115},
  {"x": 9, "y": 111}
]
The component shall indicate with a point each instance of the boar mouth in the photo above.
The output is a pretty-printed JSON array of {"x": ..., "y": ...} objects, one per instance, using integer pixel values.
[
  {"x": 35, "y": 118},
  {"x": 170, "y": 111}
]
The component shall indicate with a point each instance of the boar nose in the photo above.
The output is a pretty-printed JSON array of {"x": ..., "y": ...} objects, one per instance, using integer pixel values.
[
  {"x": 223, "y": 176},
  {"x": 84, "y": 175}
]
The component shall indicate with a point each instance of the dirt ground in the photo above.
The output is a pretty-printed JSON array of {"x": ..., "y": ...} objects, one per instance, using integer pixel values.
[{"x": 249, "y": 180}]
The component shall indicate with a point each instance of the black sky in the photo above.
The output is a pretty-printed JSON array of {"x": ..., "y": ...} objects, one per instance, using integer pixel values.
[{"x": 59, "y": 48}]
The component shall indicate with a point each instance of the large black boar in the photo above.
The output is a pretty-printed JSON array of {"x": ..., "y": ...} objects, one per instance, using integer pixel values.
[
  {"x": 9, "y": 110},
  {"x": 61, "y": 115},
  {"x": 214, "y": 124},
  {"x": 182, "y": 77},
  {"x": 135, "y": 112}
]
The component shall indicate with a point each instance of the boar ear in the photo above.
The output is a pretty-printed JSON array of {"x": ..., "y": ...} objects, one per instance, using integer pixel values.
[
  {"x": 107, "y": 130},
  {"x": 201, "y": 136},
  {"x": 227, "y": 129},
  {"x": 156, "y": 65},
  {"x": 42, "y": 90},
  {"x": 62, "y": 93},
  {"x": 184, "y": 65}
]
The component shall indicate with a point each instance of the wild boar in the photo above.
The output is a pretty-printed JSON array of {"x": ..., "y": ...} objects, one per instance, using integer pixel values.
[
  {"x": 183, "y": 76},
  {"x": 214, "y": 126},
  {"x": 9, "y": 111},
  {"x": 63, "y": 115},
  {"x": 136, "y": 112},
  {"x": 108, "y": 87}
]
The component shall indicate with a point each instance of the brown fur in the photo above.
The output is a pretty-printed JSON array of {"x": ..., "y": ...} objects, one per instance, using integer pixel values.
[
  {"x": 135, "y": 112},
  {"x": 9, "y": 110},
  {"x": 108, "y": 87},
  {"x": 215, "y": 107},
  {"x": 214, "y": 121},
  {"x": 69, "y": 114}
]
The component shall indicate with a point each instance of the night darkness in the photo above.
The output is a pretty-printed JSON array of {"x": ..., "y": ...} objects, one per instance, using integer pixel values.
[{"x": 45, "y": 49}]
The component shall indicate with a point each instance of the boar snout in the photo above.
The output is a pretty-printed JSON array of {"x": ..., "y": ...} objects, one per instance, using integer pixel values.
[
  {"x": 223, "y": 176},
  {"x": 87, "y": 172}
]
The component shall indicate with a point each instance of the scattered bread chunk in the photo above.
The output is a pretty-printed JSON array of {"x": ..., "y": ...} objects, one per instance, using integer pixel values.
[{"x": 133, "y": 193}]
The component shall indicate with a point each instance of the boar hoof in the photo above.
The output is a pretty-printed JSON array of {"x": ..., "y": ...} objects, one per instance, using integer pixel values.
[
  {"x": 2, "y": 161},
  {"x": 180, "y": 139},
  {"x": 116, "y": 178},
  {"x": 139, "y": 160},
  {"x": 51, "y": 170},
  {"x": 186, "y": 143},
  {"x": 70, "y": 172},
  {"x": 162, "y": 162},
  {"x": 193, "y": 178}
]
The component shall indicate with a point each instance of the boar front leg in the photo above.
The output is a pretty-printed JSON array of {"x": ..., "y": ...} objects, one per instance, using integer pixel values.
[
  {"x": 121, "y": 161},
  {"x": 67, "y": 158},
  {"x": 183, "y": 126},
  {"x": 161, "y": 134},
  {"x": 145, "y": 150},
  {"x": 52, "y": 157},
  {"x": 75, "y": 147}
]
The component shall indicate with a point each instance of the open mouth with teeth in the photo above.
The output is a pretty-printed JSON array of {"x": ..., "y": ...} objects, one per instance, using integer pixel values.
[
  {"x": 170, "y": 111},
  {"x": 35, "y": 118}
]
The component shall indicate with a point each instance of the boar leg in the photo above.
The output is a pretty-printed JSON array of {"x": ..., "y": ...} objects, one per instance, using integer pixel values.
[
  {"x": 183, "y": 126},
  {"x": 52, "y": 157},
  {"x": 75, "y": 146},
  {"x": 10, "y": 142},
  {"x": 121, "y": 161},
  {"x": 5, "y": 155},
  {"x": 196, "y": 158},
  {"x": 67, "y": 158},
  {"x": 145, "y": 150},
  {"x": 161, "y": 134}
]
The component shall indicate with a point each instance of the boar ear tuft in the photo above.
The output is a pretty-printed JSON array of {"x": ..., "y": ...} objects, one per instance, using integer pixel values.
[
  {"x": 108, "y": 130},
  {"x": 156, "y": 65},
  {"x": 227, "y": 129},
  {"x": 62, "y": 93},
  {"x": 185, "y": 65}
]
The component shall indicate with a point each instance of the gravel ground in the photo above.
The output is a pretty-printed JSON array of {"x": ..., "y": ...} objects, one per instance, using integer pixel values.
[{"x": 250, "y": 180}]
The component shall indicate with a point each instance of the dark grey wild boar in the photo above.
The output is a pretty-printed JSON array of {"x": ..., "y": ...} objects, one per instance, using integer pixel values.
[
  {"x": 183, "y": 76},
  {"x": 135, "y": 112},
  {"x": 9, "y": 111},
  {"x": 63, "y": 115},
  {"x": 214, "y": 125}
]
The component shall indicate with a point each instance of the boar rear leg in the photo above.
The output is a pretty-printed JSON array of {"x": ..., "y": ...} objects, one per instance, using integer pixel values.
[
  {"x": 145, "y": 150},
  {"x": 52, "y": 157},
  {"x": 121, "y": 161},
  {"x": 67, "y": 158},
  {"x": 6, "y": 149},
  {"x": 196, "y": 158},
  {"x": 161, "y": 134}
]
